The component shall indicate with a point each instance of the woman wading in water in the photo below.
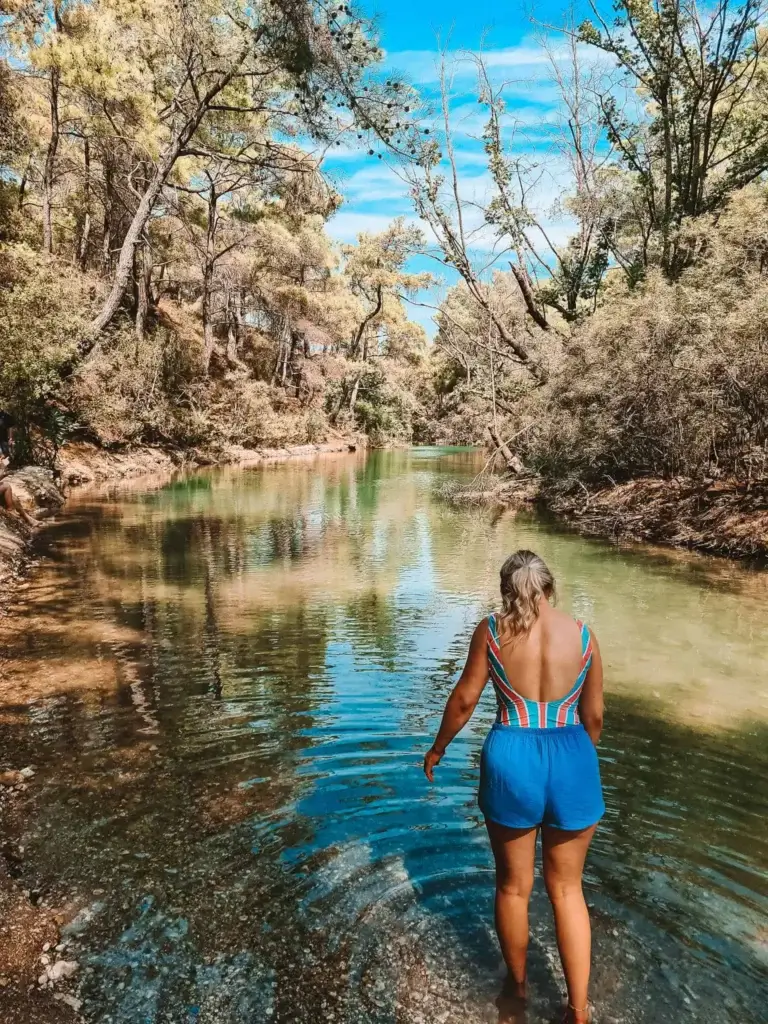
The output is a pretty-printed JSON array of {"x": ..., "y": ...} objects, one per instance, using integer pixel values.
[{"x": 539, "y": 766}]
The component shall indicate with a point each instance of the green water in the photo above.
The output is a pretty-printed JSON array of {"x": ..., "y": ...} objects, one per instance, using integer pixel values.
[{"x": 227, "y": 684}]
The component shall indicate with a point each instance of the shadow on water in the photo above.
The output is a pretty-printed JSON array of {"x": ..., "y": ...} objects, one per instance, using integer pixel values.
[{"x": 227, "y": 686}]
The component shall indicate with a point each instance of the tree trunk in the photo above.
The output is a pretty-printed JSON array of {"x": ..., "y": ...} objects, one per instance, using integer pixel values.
[
  {"x": 290, "y": 352},
  {"x": 143, "y": 294},
  {"x": 353, "y": 396},
  {"x": 233, "y": 331},
  {"x": 208, "y": 338},
  {"x": 82, "y": 251},
  {"x": 208, "y": 268},
  {"x": 124, "y": 267},
  {"x": 49, "y": 168},
  {"x": 354, "y": 347},
  {"x": 283, "y": 348},
  {"x": 23, "y": 183},
  {"x": 163, "y": 168},
  {"x": 106, "y": 239},
  {"x": 513, "y": 462},
  {"x": 529, "y": 299},
  {"x": 232, "y": 327}
]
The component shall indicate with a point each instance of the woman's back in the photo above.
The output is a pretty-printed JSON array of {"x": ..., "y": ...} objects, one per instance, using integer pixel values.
[{"x": 543, "y": 664}]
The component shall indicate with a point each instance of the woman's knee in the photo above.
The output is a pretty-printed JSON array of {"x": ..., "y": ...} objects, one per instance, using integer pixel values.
[
  {"x": 519, "y": 885},
  {"x": 561, "y": 888}
]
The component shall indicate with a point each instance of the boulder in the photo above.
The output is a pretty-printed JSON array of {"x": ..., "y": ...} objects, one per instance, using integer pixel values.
[{"x": 36, "y": 490}]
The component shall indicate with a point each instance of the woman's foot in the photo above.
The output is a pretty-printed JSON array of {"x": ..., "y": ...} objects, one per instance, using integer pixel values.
[
  {"x": 511, "y": 1001},
  {"x": 514, "y": 989}
]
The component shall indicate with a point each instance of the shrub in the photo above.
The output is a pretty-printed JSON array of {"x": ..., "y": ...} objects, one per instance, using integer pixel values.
[{"x": 44, "y": 314}]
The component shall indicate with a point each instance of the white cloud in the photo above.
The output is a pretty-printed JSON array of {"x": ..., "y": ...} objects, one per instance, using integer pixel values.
[
  {"x": 374, "y": 183},
  {"x": 423, "y": 66},
  {"x": 346, "y": 225}
]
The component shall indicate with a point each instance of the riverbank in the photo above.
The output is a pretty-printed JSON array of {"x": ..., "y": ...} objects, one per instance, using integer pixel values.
[
  {"x": 36, "y": 492},
  {"x": 42, "y": 495},
  {"x": 723, "y": 517},
  {"x": 83, "y": 463}
]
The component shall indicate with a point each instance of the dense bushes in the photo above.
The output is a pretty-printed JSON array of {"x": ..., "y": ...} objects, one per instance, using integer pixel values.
[
  {"x": 43, "y": 312},
  {"x": 666, "y": 380},
  {"x": 663, "y": 379}
]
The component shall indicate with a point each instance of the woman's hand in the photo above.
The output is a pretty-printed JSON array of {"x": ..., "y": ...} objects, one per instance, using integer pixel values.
[{"x": 431, "y": 760}]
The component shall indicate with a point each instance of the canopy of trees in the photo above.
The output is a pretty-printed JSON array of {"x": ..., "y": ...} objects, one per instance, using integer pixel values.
[
  {"x": 637, "y": 347},
  {"x": 163, "y": 206},
  {"x": 163, "y": 213}
]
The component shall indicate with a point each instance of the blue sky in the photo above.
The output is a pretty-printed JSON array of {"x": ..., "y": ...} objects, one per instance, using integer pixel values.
[{"x": 373, "y": 193}]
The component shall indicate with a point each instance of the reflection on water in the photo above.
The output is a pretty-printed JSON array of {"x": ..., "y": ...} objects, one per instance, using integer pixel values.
[{"x": 228, "y": 683}]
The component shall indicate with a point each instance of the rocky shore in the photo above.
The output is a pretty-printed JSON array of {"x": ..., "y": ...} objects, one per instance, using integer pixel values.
[
  {"x": 721, "y": 517},
  {"x": 37, "y": 973}
]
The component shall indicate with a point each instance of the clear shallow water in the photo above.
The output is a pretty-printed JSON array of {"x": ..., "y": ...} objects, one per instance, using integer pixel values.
[{"x": 227, "y": 684}]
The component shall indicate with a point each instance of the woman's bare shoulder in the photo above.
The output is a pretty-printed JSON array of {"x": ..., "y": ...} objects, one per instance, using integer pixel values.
[{"x": 564, "y": 619}]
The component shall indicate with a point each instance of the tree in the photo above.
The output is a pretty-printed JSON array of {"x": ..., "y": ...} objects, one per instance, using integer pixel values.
[
  {"x": 453, "y": 218},
  {"x": 699, "y": 135},
  {"x": 376, "y": 271},
  {"x": 290, "y": 64}
]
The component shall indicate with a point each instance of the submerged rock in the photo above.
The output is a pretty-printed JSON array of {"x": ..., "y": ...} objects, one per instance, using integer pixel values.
[{"x": 59, "y": 971}]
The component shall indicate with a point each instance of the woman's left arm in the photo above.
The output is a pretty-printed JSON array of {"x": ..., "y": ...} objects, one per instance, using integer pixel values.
[{"x": 463, "y": 700}]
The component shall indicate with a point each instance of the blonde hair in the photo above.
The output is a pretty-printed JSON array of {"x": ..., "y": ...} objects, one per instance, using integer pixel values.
[{"x": 525, "y": 580}]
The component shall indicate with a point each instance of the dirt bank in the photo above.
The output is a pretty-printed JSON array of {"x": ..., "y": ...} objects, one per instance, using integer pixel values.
[
  {"x": 41, "y": 496},
  {"x": 37, "y": 494},
  {"x": 723, "y": 517},
  {"x": 720, "y": 517},
  {"x": 34, "y": 973},
  {"x": 83, "y": 463}
]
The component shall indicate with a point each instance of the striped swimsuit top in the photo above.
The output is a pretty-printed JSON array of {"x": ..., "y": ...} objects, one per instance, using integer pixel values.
[{"x": 516, "y": 710}]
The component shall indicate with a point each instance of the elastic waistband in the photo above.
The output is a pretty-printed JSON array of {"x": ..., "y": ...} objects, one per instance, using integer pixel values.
[{"x": 552, "y": 730}]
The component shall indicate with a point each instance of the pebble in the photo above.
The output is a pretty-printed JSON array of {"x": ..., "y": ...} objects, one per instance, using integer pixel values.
[
  {"x": 63, "y": 997},
  {"x": 27, "y": 773},
  {"x": 57, "y": 972}
]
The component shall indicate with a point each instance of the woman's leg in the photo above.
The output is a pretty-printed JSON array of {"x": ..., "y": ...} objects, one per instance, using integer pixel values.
[
  {"x": 564, "y": 856},
  {"x": 513, "y": 850}
]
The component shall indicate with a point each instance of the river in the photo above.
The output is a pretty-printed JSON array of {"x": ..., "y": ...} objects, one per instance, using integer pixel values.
[{"x": 227, "y": 683}]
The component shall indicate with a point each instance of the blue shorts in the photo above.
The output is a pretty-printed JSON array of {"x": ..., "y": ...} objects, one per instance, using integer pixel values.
[{"x": 531, "y": 777}]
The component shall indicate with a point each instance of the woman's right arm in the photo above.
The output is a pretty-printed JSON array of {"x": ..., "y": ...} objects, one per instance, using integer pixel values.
[
  {"x": 591, "y": 700},
  {"x": 463, "y": 700}
]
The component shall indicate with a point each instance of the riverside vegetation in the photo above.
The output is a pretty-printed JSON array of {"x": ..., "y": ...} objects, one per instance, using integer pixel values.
[{"x": 167, "y": 276}]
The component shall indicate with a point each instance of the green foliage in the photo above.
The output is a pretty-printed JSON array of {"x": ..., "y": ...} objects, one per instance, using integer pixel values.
[
  {"x": 384, "y": 409},
  {"x": 700, "y": 135},
  {"x": 43, "y": 310},
  {"x": 664, "y": 379}
]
